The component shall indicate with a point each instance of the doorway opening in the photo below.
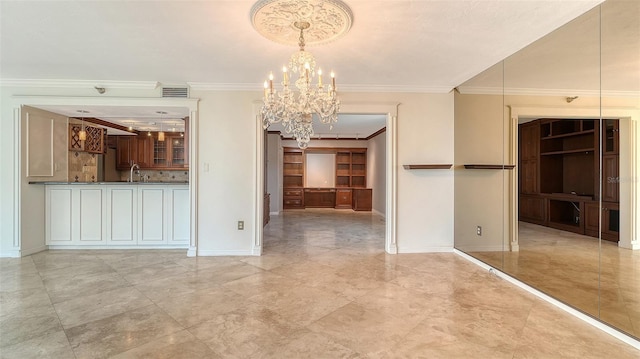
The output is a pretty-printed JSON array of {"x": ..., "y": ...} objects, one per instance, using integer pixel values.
[{"x": 331, "y": 181}]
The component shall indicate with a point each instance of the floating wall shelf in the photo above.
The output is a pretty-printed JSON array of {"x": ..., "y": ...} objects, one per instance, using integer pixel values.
[
  {"x": 428, "y": 167},
  {"x": 489, "y": 167}
]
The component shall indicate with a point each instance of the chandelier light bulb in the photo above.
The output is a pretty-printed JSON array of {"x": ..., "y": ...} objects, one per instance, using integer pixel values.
[{"x": 319, "y": 78}]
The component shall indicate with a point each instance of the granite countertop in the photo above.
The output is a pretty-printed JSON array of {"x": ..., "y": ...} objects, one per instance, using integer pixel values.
[{"x": 112, "y": 183}]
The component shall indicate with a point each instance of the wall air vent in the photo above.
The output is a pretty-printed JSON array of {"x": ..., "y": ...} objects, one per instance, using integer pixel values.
[{"x": 181, "y": 92}]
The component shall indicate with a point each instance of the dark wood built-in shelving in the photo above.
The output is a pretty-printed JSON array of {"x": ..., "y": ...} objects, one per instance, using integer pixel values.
[
  {"x": 559, "y": 175},
  {"x": 349, "y": 192},
  {"x": 489, "y": 167},
  {"x": 428, "y": 167}
]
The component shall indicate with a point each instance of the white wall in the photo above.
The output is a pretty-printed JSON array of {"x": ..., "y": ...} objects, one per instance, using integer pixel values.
[
  {"x": 227, "y": 192},
  {"x": 320, "y": 170},
  {"x": 376, "y": 172}
]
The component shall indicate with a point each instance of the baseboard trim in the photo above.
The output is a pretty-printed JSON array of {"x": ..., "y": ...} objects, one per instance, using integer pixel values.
[
  {"x": 192, "y": 252},
  {"x": 496, "y": 248},
  {"x": 222, "y": 252},
  {"x": 274, "y": 213},
  {"x": 28, "y": 252},
  {"x": 425, "y": 250},
  {"x": 576, "y": 313},
  {"x": 378, "y": 213},
  {"x": 10, "y": 254},
  {"x": 111, "y": 246}
]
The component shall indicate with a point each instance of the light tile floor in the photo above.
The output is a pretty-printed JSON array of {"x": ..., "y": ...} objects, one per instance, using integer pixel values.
[
  {"x": 600, "y": 279},
  {"x": 324, "y": 288}
]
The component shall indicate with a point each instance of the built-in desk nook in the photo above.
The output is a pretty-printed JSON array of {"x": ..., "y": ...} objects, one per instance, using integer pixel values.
[
  {"x": 559, "y": 170},
  {"x": 326, "y": 178}
]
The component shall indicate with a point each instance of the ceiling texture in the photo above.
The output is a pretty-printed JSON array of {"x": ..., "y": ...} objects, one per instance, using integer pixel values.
[{"x": 392, "y": 46}]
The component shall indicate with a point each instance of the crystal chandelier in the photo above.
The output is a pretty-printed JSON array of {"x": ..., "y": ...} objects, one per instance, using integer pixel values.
[{"x": 295, "y": 109}]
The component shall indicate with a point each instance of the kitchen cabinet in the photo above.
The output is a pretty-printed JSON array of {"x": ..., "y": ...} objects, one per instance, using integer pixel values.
[
  {"x": 144, "y": 151},
  {"x": 149, "y": 153},
  {"x": 170, "y": 153},
  {"x": 126, "y": 152},
  {"x": 74, "y": 216},
  {"x": 117, "y": 215}
]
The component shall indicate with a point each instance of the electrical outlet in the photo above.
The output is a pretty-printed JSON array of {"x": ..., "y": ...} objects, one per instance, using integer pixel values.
[
  {"x": 479, "y": 230},
  {"x": 240, "y": 225}
]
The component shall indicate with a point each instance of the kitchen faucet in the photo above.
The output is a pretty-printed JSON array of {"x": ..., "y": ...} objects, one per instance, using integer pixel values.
[{"x": 133, "y": 166}]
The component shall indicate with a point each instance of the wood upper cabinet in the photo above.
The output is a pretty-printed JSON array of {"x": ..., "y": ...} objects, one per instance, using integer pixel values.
[
  {"x": 149, "y": 153},
  {"x": 144, "y": 151},
  {"x": 126, "y": 152},
  {"x": 610, "y": 131},
  {"x": 170, "y": 153}
]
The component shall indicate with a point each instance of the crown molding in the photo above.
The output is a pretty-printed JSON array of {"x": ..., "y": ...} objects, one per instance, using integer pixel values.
[
  {"x": 138, "y": 85},
  {"x": 544, "y": 92},
  {"x": 210, "y": 86}
]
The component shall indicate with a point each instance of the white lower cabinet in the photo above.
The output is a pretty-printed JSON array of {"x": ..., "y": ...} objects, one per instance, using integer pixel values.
[
  {"x": 121, "y": 216},
  {"x": 179, "y": 220},
  {"x": 58, "y": 217},
  {"x": 125, "y": 216},
  {"x": 151, "y": 216}
]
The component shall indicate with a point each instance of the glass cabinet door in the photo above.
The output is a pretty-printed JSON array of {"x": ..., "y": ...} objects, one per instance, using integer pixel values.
[
  {"x": 160, "y": 153},
  {"x": 177, "y": 152}
]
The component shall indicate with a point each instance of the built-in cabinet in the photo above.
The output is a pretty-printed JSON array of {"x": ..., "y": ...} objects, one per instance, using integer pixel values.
[
  {"x": 559, "y": 177},
  {"x": 149, "y": 152},
  {"x": 117, "y": 215},
  {"x": 351, "y": 167},
  {"x": 350, "y": 190},
  {"x": 95, "y": 142}
]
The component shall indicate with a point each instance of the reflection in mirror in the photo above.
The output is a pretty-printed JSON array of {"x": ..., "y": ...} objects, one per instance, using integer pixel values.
[
  {"x": 573, "y": 102},
  {"x": 620, "y": 264},
  {"x": 479, "y": 193}
]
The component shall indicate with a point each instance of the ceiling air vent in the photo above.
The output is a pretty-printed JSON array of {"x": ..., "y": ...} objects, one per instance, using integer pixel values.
[{"x": 181, "y": 92}]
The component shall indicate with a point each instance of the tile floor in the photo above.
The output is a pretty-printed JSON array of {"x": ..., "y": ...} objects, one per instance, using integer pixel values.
[
  {"x": 600, "y": 279},
  {"x": 324, "y": 288}
]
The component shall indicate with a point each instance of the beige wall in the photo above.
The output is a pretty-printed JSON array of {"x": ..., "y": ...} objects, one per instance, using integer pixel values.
[
  {"x": 483, "y": 126},
  {"x": 479, "y": 194},
  {"x": 32, "y": 196}
]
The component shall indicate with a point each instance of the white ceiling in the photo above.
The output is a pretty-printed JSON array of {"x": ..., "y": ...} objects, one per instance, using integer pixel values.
[{"x": 400, "y": 45}]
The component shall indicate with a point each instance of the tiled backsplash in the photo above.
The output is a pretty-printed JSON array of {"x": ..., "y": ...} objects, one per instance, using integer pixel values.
[
  {"x": 158, "y": 176},
  {"x": 83, "y": 167}
]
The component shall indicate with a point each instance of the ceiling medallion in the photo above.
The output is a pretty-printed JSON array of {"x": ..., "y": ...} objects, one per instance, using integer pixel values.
[{"x": 275, "y": 20}]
